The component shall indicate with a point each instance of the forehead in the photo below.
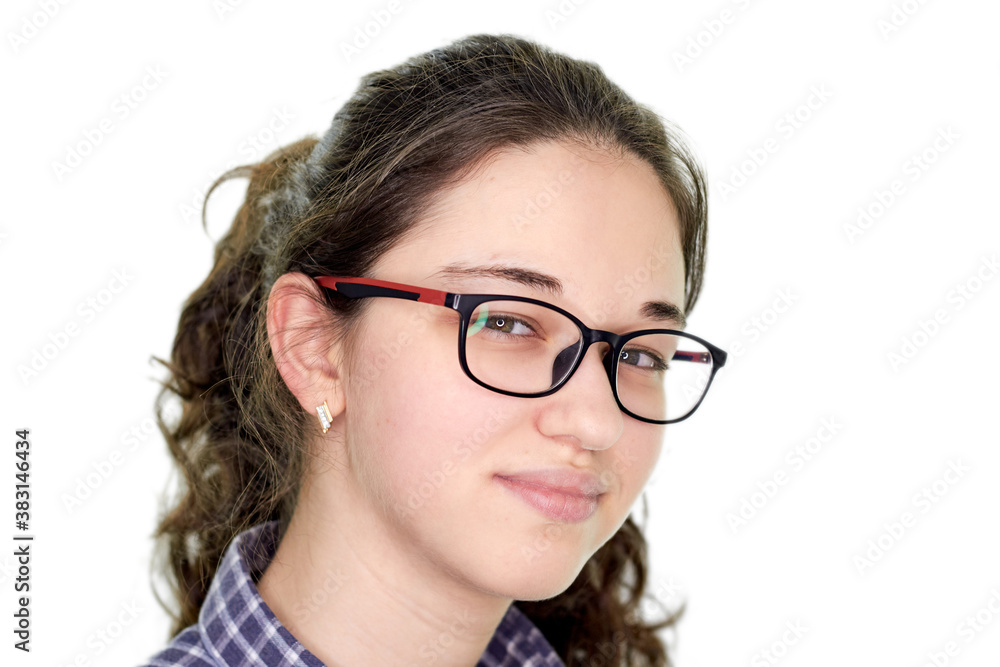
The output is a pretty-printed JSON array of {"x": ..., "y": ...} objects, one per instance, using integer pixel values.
[{"x": 602, "y": 223}]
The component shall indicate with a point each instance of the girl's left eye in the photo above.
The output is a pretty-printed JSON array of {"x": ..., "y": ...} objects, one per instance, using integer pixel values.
[{"x": 642, "y": 359}]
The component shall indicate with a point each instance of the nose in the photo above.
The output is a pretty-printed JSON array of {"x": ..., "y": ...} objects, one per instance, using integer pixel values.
[{"x": 585, "y": 407}]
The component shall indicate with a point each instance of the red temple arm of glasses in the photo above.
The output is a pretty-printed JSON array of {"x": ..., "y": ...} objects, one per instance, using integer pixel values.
[
  {"x": 383, "y": 288},
  {"x": 697, "y": 357}
]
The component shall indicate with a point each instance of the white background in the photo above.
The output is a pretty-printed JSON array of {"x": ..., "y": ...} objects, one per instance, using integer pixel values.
[{"x": 855, "y": 299}]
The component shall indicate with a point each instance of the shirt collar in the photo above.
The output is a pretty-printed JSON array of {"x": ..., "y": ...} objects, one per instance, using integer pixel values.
[{"x": 238, "y": 628}]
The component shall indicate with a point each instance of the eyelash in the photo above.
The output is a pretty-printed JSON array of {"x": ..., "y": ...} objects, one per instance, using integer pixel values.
[
  {"x": 658, "y": 363},
  {"x": 514, "y": 320}
]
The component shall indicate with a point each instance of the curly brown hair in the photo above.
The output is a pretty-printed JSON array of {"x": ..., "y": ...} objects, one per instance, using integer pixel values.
[{"x": 333, "y": 206}]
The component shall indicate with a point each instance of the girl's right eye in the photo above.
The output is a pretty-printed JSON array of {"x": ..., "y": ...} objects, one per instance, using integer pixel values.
[
  {"x": 502, "y": 325},
  {"x": 509, "y": 324}
]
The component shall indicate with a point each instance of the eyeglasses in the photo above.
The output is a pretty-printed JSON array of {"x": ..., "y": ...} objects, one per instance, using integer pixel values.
[{"x": 524, "y": 347}]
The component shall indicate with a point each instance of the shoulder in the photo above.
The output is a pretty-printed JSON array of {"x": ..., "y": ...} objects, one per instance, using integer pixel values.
[
  {"x": 234, "y": 625},
  {"x": 186, "y": 649}
]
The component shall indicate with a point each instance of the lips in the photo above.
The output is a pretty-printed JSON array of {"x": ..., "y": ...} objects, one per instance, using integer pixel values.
[{"x": 560, "y": 494}]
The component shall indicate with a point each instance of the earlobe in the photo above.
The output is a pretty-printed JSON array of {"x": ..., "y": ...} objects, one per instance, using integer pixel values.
[{"x": 307, "y": 357}]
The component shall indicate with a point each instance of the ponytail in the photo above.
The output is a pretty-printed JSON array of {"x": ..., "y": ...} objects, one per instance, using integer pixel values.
[{"x": 231, "y": 476}]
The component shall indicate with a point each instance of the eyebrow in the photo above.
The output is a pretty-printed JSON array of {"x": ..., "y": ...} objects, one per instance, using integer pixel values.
[{"x": 660, "y": 311}]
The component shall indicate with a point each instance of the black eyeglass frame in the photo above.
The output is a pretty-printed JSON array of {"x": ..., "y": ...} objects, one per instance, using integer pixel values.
[{"x": 465, "y": 305}]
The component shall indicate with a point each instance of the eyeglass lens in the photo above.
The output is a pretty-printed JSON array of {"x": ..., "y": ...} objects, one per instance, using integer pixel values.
[{"x": 528, "y": 349}]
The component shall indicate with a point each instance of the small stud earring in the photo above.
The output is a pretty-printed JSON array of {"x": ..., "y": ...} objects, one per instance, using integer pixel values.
[{"x": 324, "y": 416}]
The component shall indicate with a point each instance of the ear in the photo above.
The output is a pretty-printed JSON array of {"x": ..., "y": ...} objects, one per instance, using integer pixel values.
[{"x": 307, "y": 357}]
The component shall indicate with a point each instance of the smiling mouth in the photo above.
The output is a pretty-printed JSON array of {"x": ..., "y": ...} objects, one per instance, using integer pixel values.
[{"x": 566, "y": 505}]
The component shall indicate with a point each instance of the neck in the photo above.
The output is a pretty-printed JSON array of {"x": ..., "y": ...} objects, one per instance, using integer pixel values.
[{"x": 353, "y": 591}]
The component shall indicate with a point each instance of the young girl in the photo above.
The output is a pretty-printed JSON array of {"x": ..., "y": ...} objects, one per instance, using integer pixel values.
[{"x": 429, "y": 373}]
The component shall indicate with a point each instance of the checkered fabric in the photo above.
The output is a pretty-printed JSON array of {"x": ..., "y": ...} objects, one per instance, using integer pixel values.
[{"x": 237, "y": 628}]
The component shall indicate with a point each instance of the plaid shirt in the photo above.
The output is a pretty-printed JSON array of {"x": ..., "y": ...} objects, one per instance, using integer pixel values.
[{"x": 236, "y": 627}]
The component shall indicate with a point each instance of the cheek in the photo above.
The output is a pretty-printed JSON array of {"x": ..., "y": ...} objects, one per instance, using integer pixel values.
[
  {"x": 632, "y": 461},
  {"x": 412, "y": 412}
]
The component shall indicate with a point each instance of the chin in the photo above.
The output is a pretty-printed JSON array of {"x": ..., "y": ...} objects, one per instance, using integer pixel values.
[
  {"x": 541, "y": 587},
  {"x": 535, "y": 573}
]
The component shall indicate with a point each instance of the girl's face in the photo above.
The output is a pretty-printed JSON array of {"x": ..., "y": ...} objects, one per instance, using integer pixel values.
[{"x": 444, "y": 462}]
